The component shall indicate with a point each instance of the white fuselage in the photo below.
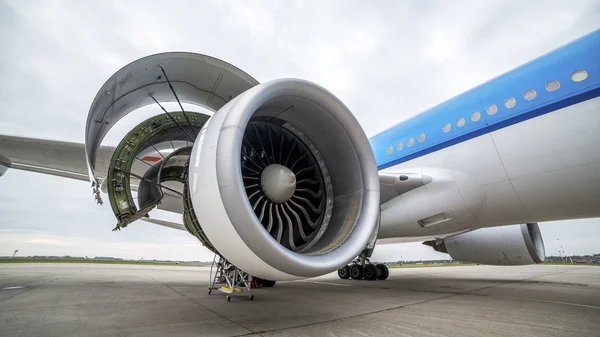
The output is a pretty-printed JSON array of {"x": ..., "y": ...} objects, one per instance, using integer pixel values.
[
  {"x": 523, "y": 147},
  {"x": 543, "y": 169}
]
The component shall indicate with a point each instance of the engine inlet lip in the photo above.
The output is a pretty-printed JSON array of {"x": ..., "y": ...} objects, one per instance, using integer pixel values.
[{"x": 234, "y": 198}]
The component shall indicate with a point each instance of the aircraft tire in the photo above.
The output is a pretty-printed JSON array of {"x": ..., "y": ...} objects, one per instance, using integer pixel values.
[
  {"x": 370, "y": 272},
  {"x": 384, "y": 272},
  {"x": 344, "y": 272},
  {"x": 356, "y": 272}
]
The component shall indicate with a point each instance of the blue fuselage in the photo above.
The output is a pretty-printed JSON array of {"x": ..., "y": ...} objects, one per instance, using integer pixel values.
[{"x": 559, "y": 79}]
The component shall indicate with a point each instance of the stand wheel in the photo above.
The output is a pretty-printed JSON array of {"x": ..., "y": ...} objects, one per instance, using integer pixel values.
[
  {"x": 384, "y": 272},
  {"x": 344, "y": 272},
  {"x": 370, "y": 272},
  {"x": 356, "y": 272}
]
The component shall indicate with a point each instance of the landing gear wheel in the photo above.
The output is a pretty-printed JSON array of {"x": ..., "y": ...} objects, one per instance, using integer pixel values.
[
  {"x": 251, "y": 297},
  {"x": 384, "y": 272},
  {"x": 370, "y": 272},
  {"x": 356, "y": 272},
  {"x": 344, "y": 272},
  {"x": 228, "y": 299}
]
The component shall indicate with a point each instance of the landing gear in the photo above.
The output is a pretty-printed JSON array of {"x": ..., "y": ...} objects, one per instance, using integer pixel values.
[
  {"x": 344, "y": 272},
  {"x": 361, "y": 268}
]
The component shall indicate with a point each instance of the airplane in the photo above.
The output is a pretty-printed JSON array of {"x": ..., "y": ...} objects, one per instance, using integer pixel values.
[{"x": 281, "y": 181}]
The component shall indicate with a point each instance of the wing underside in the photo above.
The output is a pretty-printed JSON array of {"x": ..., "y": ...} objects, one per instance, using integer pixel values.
[{"x": 64, "y": 159}]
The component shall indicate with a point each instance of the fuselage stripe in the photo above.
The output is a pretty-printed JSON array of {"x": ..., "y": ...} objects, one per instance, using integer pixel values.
[
  {"x": 561, "y": 78},
  {"x": 584, "y": 96}
]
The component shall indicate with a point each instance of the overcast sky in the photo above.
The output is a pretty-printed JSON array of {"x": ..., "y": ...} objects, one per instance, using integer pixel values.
[{"x": 387, "y": 60}]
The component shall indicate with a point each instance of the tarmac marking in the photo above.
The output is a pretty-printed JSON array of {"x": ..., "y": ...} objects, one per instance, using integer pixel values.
[
  {"x": 328, "y": 283},
  {"x": 14, "y": 287}
]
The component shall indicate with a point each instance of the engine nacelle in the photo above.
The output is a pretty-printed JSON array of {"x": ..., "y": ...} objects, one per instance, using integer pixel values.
[
  {"x": 283, "y": 181},
  {"x": 505, "y": 245}
]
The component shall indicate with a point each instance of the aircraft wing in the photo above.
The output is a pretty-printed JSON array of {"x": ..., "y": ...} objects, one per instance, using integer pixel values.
[{"x": 63, "y": 159}]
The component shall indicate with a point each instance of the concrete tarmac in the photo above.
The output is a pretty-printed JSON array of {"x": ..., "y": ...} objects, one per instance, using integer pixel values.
[{"x": 133, "y": 300}]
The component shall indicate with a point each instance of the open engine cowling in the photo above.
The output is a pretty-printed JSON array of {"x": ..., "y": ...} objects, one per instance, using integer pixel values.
[
  {"x": 283, "y": 181},
  {"x": 505, "y": 245}
]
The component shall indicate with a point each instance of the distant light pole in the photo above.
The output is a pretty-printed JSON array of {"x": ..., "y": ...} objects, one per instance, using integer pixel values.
[
  {"x": 15, "y": 253},
  {"x": 564, "y": 255}
]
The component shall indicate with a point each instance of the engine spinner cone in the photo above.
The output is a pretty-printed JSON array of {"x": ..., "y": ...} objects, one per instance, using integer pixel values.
[{"x": 278, "y": 182}]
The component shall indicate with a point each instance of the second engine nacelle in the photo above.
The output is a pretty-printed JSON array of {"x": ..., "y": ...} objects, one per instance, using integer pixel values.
[{"x": 505, "y": 245}]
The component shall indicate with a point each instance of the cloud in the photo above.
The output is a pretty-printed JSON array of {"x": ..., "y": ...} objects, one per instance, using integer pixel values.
[
  {"x": 387, "y": 61},
  {"x": 52, "y": 242}
]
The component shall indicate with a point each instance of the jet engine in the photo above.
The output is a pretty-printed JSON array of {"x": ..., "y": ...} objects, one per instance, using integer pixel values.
[
  {"x": 501, "y": 246},
  {"x": 280, "y": 180},
  {"x": 283, "y": 181}
]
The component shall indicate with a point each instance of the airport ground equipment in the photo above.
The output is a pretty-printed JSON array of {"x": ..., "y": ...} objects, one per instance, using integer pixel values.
[{"x": 230, "y": 280}]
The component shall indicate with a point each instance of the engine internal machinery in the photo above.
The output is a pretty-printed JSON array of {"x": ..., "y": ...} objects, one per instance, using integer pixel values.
[
  {"x": 280, "y": 181},
  {"x": 287, "y": 182},
  {"x": 150, "y": 157}
]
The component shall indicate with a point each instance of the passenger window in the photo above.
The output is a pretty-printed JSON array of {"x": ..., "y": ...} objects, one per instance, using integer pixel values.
[
  {"x": 552, "y": 86},
  {"x": 579, "y": 75},
  {"x": 510, "y": 103},
  {"x": 447, "y": 127},
  {"x": 530, "y": 95}
]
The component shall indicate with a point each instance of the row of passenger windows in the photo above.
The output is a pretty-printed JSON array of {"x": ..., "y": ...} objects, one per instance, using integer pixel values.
[{"x": 509, "y": 103}]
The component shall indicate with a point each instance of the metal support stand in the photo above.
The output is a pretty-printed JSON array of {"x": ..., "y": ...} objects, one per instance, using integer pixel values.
[{"x": 230, "y": 280}]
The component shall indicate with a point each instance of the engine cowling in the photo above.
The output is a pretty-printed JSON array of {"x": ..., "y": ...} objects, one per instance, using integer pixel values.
[
  {"x": 283, "y": 181},
  {"x": 505, "y": 245}
]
